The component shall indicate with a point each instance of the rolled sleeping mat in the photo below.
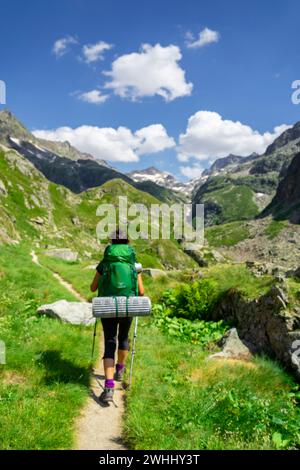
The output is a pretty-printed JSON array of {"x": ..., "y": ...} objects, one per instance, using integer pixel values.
[{"x": 121, "y": 307}]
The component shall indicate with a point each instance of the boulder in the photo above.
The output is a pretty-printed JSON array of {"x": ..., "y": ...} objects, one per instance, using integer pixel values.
[
  {"x": 196, "y": 256},
  {"x": 269, "y": 324},
  {"x": 233, "y": 347},
  {"x": 154, "y": 273},
  {"x": 63, "y": 253},
  {"x": 217, "y": 256},
  {"x": 76, "y": 313}
]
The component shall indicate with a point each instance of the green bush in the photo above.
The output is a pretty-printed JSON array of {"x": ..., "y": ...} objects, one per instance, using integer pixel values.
[
  {"x": 192, "y": 301},
  {"x": 184, "y": 312}
]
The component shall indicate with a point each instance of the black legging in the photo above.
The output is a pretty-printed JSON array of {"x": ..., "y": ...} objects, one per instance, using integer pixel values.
[{"x": 110, "y": 328}]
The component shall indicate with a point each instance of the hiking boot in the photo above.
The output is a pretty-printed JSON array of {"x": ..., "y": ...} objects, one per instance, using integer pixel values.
[
  {"x": 107, "y": 395},
  {"x": 119, "y": 374}
]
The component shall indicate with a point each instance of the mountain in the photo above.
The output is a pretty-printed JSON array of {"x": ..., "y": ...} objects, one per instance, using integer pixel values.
[
  {"x": 239, "y": 188},
  {"x": 63, "y": 164},
  {"x": 13, "y": 132},
  {"x": 233, "y": 188},
  {"x": 36, "y": 211},
  {"x": 229, "y": 163},
  {"x": 290, "y": 135},
  {"x": 286, "y": 202},
  {"x": 162, "y": 178}
]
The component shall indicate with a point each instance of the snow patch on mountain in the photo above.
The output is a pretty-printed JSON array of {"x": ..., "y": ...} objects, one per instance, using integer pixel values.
[{"x": 163, "y": 178}]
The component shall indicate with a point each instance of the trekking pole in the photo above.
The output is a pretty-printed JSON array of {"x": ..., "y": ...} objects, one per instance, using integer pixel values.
[
  {"x": 133, "y": 349},
  {"x": 94, "y": 338}
]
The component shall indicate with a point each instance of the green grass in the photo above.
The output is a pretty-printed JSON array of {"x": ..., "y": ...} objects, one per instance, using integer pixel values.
[
  {"x": 74, "y": 272},
  {"x": 45, "y": 382},
  {"x": 237, "y": 277},
  {"x": 179, "y": 400},
  {"x": 234, "y": 201},
  {"x": 227, "y": 234},
  {"x": 274, "y": 229}
]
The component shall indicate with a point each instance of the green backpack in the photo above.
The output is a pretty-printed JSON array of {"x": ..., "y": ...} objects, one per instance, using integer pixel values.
[{"x": 119, "y": 276}]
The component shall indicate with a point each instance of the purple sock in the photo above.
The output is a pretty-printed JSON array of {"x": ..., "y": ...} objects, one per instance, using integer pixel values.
[
  {"x": 120, "y": 367},
  {"x": 109, "y": 383}
]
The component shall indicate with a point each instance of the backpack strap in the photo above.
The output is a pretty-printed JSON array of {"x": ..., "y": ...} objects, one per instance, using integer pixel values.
[
  {"x": 126, "y": 306},
  {"x": 117, "y": 307}
]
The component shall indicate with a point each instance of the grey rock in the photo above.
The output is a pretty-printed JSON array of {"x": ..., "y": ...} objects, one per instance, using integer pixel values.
[
  {"x": 76, "y": 313},
  {"x": 217, "y": 256},
  {"x": 264, "y": 323},
  {"x": 233, "y": 347},
  {"x": 63, "y": 253},
  {"x": 75, "y": 220},
  {"x": 196, "y": 256},
  {"x": 154, "y": 273}
]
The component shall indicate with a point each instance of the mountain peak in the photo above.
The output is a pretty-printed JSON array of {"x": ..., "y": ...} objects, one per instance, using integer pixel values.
[
  {"x": 151, "y": 170},
  {"x": 11, "y": 126},
  {"x": 293, "y": 133}
]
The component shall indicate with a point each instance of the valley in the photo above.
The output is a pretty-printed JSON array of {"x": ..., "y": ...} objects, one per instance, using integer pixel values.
[{"x": 245, "y": 277}]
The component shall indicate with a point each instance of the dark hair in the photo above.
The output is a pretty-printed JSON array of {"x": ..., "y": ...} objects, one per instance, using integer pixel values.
[{"x": 119, "y": 238}]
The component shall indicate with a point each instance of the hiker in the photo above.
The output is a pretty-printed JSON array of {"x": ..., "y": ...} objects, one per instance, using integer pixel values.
[{"x": 116, "y": 276}]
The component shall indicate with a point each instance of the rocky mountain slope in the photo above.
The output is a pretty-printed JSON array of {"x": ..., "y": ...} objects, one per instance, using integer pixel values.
[
  {"x": 39, "y": 212},
  {"x": 286, "y": 202},
  {"x": 65, "y": 165},
  {"x": 239, "y": 188},
  {"x": 228, "y": 164}
]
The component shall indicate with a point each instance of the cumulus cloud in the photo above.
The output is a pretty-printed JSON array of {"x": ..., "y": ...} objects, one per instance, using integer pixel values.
[
  {"x": 205, "y": 37},
  {"x": 94, "y": 52},
  {"x": 152, "y": 71},
  {"x": 208, "y": 136},
  {"x": 153, "y": 139},
  {"x": 118, "y": 145},
  {"x": 93, "y": 96},
  {"x": 61, "y": 46},
  {"x": 193, "y": 171}
]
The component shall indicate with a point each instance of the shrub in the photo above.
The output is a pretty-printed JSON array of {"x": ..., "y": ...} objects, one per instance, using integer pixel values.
[
  {"x": 191, "y": 301},
  {"x": 184, "y": 312}
]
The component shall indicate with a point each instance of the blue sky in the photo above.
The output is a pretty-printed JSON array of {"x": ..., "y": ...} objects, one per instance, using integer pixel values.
[{"x": 244, "y": 74}]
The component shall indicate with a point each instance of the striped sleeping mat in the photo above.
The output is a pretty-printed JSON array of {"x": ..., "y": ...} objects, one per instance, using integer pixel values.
[{"x": 114, "y": 307}]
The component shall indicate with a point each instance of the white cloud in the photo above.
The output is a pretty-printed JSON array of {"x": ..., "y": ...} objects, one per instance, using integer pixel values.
[
  {"x": 94, "y": 52},
  {"x": 93, "y": 96},
  {"x": 193, "y": 171},
  {"x": 152, "y": 71},
  {"x": 153, "y": 139},
  {"x": 111, "y": 144},
  {"x": 208, "y": 136},
  {"x": 61, "y": 46},
  {"x": 205, "y": 37}
]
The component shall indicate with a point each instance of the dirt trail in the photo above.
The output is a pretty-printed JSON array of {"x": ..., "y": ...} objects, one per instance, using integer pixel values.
[
  {"x": 97, "y": 428},
  {"x": 101, "y": 427},
  {"x": 64, "y": 283}
]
